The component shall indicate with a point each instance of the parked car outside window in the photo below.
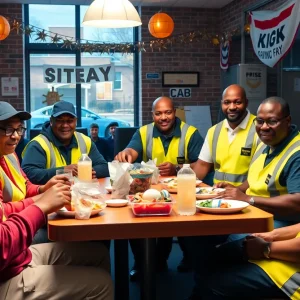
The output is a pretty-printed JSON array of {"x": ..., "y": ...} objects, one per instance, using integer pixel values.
[{"x": 40, "y": 116}]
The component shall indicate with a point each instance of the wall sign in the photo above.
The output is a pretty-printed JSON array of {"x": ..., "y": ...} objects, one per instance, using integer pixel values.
[
  {"x": 180, "y": 79},
  {"x": 69, "y": 74},
  {"x": 180, "y": 93},
  {"x": 152, "y": 76},
  {"x": 10, "y": 86}
]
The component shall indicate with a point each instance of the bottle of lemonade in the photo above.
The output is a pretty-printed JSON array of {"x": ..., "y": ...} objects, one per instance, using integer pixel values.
[
  {"x": 84, "y": 166},
  {"x": 186, "y": 191}
]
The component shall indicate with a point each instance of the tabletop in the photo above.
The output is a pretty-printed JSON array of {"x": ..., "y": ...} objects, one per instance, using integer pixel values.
[{"x": 120, "y": 223}]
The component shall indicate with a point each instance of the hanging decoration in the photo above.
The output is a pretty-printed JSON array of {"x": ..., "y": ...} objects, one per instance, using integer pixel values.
[
  {"x": 4, "y": 28},
  {"x": 224, "y": 55},
  {"x": 161, "y": 25},
  {"x": 160, "y": 44},
  {"x": 273, "y": 32}
]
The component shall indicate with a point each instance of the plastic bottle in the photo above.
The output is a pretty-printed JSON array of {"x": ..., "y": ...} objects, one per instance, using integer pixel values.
[
  {"x": 186, "y": 191},
  {"x": 84, "y": 168}
]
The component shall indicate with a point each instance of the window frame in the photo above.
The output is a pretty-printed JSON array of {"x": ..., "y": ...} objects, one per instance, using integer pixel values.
[{"x": 44, "y": 48}]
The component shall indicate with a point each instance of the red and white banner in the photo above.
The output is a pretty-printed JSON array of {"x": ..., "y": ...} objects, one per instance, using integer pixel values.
[
  {"x": 224, "y": 55},
  {"x": 273, "y": 32}
]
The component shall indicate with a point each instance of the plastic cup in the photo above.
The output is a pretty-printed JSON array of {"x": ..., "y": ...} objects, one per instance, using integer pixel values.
[{"x": 68, "y": 174}]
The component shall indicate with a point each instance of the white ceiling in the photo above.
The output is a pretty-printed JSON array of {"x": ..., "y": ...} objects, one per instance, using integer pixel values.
[{"x": 162, "y": 3}]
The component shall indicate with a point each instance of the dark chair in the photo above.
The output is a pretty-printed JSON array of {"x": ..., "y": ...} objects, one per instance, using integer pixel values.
[
  {"x": 35, "y": 131},
  {"x": 122, "y": 138}
]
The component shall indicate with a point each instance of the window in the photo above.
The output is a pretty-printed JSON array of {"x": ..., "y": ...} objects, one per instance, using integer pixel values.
[
  {"x": 98, "y": 96},
  {"x": 118, "y": 81}
]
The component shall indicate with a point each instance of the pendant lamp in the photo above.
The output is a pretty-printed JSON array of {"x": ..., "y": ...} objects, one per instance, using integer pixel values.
[
  {"x": 161, "y": 25},
  {"x": 4, "y": 28},
  {"x": 111, "y": 14}
]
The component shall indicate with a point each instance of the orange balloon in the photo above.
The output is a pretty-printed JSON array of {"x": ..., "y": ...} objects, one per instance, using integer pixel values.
[
  {"x": 161, "y": 25},
  {"x": 4, "y": 28}
]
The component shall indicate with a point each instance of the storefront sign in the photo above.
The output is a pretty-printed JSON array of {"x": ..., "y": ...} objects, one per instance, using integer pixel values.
[
  {"x": 224, "y": 55},
  {"x": 180, "y": 93},
  {"x": 273, "y": 32},
  {"x": 69, "y": 74}
]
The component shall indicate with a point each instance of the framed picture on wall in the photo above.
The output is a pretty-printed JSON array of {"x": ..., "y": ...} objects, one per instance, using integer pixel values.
[{"x": 180, "y": 79}]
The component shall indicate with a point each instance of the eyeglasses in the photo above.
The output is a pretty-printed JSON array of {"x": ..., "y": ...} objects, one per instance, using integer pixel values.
[
  {"x": 9, "y": 131},
  {"x": 270, "y": 122}
]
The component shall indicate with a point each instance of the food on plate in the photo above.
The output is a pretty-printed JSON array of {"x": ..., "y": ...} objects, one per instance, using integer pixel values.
[
  {"x": 214, "y": 203},
  {"x": 207, "y": 191},
  {"x": 151, "y": 196},
  {"x": 172, "y": 183},
  {"x": 141, "y": 180},
  {"x": 85, "y": 204}
]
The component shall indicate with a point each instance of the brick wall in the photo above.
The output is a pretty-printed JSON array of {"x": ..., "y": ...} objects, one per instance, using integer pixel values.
[
  {"x": 199, "y": 56},
  {"x": 11, "y": 55}
]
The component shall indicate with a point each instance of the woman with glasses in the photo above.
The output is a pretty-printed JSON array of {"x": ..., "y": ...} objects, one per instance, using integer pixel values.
[
  {"x": 49, "y": 270},
  {"x": 14, "y": 182}
]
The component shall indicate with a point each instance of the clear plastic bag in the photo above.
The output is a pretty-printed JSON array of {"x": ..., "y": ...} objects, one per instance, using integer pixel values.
[
  {"x": 142, "y": 177},
  {"x": 120, "y": 179},
  {"x": 86, "y": 196},
  {"x": 151, "y": 164}
]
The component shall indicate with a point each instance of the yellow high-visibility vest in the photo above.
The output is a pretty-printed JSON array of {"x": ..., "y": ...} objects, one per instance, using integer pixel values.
[
  {"x": 153, "y": 147},
  {"x": 10, "y": 191},
  {"x": 264, "y": 181},
  {"x": 286, "y": 275},
  {"x": 232, "y": 160},
  {"x": 54, "y": 158}
]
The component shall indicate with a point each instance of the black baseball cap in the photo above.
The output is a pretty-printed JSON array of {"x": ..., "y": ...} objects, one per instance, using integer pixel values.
[
  {"x": 7, "y": 111},
  {"x": 114, "y": 123},
  {"x": 63, "y": 107}
]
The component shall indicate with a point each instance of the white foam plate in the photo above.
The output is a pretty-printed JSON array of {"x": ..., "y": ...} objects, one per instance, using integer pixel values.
[
  {"x": 63, "y": 212},
  {"x": 116, "y": 202},
  {"x": 211, "y": 192},
  {"x": 236, "y": 206}
]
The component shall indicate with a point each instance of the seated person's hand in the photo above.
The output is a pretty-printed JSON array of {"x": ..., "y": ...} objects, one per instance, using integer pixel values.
[
  {"x": 223, "y": 185},
  {"x": 235, "y": 193},
  {"x": 94, "y": 174},
  {"x": 124, "y": 156},
  {"x": 54, "y": 180},
  {"x": 72, "y": 168},
  {"x": 167, "y": 169},
  {"x": 254, "y": 247},
  {"x": 267, "y": 236},
  {"x": 54, "y": 198}
]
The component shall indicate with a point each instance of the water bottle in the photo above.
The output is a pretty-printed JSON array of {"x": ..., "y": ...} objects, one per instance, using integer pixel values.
[
  {"x": 186, "y": 191},
  {"x": 84, "y": 166}
]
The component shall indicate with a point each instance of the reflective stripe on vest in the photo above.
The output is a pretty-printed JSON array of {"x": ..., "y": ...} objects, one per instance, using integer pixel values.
[
  {"x": 11, "y": 192},
  {"x": 258, "y": 153},
  {"x": 292, "y": 285},
  {"x": 81, "y": 144},
  {"x": 264, "y": 179},
  {"x": 181, "y": 146},
  {"x": 230, "y": 177},
  {"x": 272, "y": 184}
]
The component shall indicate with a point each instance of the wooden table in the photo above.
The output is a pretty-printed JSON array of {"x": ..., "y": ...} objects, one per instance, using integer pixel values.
[{"x": 120, "y": 224}]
